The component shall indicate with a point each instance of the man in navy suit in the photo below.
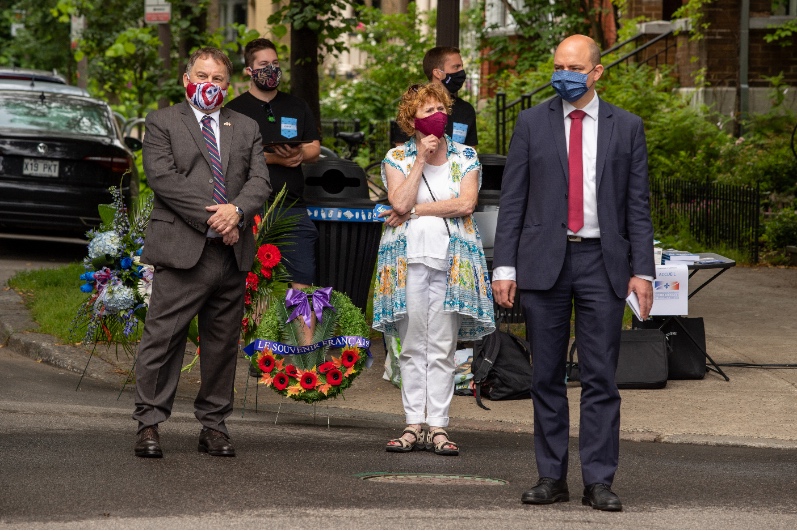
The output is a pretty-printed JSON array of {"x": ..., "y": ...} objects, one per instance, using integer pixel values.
[{"x": 575, "y": 231}]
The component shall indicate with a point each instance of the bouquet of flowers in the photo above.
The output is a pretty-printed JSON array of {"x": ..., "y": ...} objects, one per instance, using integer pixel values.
[
  {"x": 268, "y": 270},
  {"x": 117, "y": 284}
]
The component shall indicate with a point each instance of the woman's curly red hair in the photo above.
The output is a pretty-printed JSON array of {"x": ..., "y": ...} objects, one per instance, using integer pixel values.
[{"x": 415, "y": 97}]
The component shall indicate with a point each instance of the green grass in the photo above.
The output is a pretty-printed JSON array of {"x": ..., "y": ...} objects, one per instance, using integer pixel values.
[{"x": 53, "y": 297}]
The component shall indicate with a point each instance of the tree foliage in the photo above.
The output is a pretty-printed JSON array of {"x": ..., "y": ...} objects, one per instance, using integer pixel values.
[
  {"x": 125, "y": 64},
  {"x": 43, "y": 42},
  {"x": 395, "y": 46},
  {"x": 539, "y": 25},
  {"x": 316, "y": 27}
]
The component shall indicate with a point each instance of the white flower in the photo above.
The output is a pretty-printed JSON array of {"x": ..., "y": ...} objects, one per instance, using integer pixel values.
[
  {"x": 104, "y": 243},
  {"x": 145, "y": 284}
]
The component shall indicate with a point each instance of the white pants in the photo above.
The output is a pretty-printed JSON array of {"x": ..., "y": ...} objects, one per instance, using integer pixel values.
[{"x": 428, "y": 342}]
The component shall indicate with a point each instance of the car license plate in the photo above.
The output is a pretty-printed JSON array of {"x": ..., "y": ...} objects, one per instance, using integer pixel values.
[{"x": 40, "y": 168}]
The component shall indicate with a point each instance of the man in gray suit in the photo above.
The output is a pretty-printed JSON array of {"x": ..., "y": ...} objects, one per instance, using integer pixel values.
[
  {"x": 206, "y": 167},
  {"x": 575, "y": 231}
]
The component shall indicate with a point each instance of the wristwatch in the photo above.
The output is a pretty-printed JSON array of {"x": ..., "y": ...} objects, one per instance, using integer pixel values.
[
  {"x": 413, "y": 215},
  {"x": 240, "y": 215}
]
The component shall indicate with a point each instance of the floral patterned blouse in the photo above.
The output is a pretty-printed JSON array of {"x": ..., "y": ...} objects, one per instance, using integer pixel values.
[{"x": 468, "y": 291}]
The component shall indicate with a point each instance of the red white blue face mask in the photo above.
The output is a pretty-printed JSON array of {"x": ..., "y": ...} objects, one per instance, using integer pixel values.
[{"x": 205, "y": 96}]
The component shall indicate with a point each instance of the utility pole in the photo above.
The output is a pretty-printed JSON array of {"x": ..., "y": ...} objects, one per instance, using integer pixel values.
[{"x": 448, "y": 23}]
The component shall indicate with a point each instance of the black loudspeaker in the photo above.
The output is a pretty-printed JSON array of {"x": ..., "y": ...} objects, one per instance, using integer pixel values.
[
  {"x": 687, "y": 358},
  {"x": 642, "y": 363}
]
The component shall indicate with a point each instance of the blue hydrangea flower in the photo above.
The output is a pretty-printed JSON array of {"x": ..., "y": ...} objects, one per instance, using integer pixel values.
[
  {"x": 115, "y": 298},
  {"x": 126, "y": 262},
  {"x": 104, "y": 243}
]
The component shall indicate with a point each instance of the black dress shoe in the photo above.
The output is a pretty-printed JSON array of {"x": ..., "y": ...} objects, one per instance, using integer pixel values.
[
  {"x": 600, "y": 497},
  {"x": 547, "y": 490},
  {"x": 148, "y": 443},
  {"x": 215, "y": 443}
]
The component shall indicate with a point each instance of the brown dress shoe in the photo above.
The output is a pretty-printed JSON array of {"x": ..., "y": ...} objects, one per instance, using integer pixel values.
[
  {"x": 148, "y": 443},
  {"x": 547, "y": 490},
  {"x": 215, "y": 443}
]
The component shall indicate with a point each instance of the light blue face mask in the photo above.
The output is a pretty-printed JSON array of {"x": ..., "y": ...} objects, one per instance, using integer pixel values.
[{"x": 569, "y": 85}]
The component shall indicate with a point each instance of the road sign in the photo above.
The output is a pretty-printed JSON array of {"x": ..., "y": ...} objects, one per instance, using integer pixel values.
[{"x": 157, "y": 11}]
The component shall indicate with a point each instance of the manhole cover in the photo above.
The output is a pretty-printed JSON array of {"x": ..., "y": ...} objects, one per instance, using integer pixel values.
[{"x": 429, "y": 479}]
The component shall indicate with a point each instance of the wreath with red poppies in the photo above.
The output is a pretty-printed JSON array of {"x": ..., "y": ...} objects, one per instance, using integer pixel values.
[{"x": 336, "y": 353}]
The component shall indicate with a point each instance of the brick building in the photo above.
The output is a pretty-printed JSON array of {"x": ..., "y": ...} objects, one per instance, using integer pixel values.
[{"x": 723, "y": 55}]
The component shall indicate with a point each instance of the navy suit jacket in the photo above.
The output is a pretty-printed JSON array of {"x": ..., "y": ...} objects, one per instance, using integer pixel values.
[{"x": 532, "y": 218}]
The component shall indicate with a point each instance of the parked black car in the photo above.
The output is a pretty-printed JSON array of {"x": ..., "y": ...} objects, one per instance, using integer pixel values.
[
  {"x": 28, "y": 74},
  {"x": 59, "y": 154}
]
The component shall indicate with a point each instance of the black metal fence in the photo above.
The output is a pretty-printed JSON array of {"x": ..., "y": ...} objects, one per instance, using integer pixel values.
[{"x": 715, "y": 214}]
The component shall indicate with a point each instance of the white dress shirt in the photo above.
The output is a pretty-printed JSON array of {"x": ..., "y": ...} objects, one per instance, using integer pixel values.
[{"x": 589, "y": 156}]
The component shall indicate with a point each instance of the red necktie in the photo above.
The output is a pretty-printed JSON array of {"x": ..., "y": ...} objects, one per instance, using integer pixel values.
[
  {"x": 575, "y": 165},
  {"x": 219, "y": 187}
]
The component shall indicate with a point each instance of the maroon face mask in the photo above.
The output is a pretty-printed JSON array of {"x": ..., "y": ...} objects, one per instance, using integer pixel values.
[{"x": 432, "y": 125}]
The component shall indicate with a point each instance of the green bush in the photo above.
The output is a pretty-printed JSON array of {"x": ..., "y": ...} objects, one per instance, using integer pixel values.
[{"x": 781, "y": 230}]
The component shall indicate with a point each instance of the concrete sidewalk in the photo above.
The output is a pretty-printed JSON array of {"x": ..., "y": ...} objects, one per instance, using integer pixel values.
[{"x": 750, "y": 317}]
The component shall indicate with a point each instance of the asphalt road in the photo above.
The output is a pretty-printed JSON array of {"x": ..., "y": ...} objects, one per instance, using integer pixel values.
[{"x": 66, "y": 461}]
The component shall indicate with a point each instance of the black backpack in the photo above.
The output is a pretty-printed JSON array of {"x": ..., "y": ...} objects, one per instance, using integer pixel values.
[{"x": 501, "y": 366}]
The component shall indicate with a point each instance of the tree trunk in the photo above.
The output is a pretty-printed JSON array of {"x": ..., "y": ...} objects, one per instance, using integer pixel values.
[
  {"x": 213, "y": 15},
  {"x": 304, "y": 68}
]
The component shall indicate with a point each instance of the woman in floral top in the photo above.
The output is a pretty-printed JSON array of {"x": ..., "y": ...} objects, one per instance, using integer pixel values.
[{"x": 432, "y": 287}]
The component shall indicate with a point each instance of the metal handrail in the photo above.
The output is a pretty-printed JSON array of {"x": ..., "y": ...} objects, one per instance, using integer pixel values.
[{"x": 525, "y": 100}]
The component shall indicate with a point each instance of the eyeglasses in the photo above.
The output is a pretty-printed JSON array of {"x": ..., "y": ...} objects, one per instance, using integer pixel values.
[{"x": 267, "y": 108}]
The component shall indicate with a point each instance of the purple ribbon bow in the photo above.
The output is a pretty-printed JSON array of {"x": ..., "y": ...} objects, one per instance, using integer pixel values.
[
  {"x": 299, "y": 299},
  {"x": 321, "y": 301}
]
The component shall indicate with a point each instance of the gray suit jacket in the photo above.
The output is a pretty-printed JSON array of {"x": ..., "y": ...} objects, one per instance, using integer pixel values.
[
  {"x": 532, "y": 218},
  {"x": 177, "y": 165}
]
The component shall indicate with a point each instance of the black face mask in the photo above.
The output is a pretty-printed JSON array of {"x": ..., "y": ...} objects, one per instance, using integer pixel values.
[{"x": 453, "y": 82}]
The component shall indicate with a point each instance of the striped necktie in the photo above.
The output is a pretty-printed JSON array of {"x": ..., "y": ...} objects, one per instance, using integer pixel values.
[{"x": 219, "y": 188}]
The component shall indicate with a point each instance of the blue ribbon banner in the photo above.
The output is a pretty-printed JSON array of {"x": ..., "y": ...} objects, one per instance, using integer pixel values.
[
  {"x": 357, "y": 215},
  {"x": 292, "y": 350}
]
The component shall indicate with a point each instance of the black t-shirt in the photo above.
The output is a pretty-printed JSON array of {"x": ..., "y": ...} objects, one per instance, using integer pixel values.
[
  {"x": 462, "y": 123},
  {"x": 293, "y": 120},
  {"x": 463, "y": 118}
]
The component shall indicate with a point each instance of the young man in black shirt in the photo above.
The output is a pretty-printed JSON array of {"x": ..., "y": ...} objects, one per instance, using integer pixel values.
[
  {"x": 290, "y": 137},
  {"x": 443, "y": 65}
]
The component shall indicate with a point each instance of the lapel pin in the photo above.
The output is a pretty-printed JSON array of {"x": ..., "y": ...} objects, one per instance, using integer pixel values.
[{"x": 227, "y": 123}]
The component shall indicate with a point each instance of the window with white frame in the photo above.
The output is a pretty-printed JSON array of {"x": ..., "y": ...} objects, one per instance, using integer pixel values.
[{"x": 232, "y": 12}]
